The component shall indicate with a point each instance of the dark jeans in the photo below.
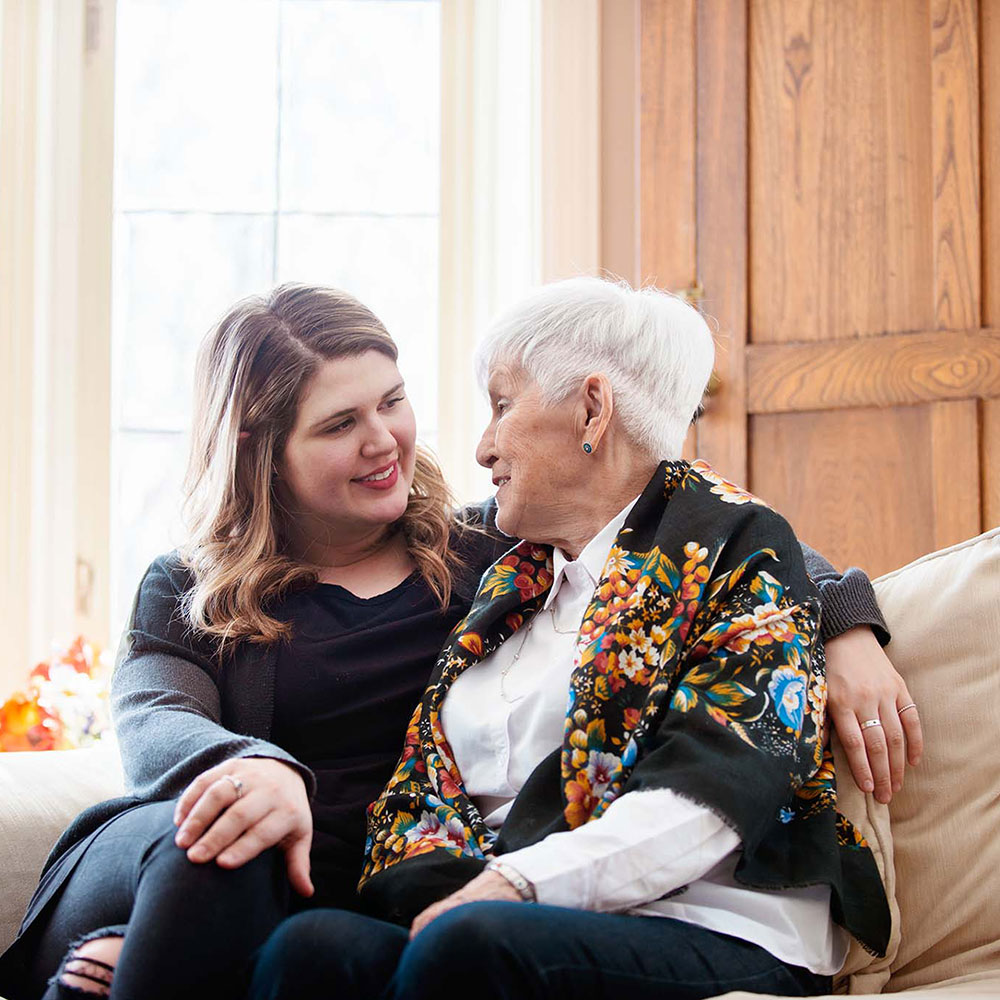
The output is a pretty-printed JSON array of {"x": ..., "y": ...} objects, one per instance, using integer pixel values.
[
  {"x": 515, "y": 951},
  {"x": 190, "y": 928}
]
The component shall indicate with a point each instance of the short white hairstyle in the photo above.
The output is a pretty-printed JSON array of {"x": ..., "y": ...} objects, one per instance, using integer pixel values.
[{"x": 655, "y": 349}]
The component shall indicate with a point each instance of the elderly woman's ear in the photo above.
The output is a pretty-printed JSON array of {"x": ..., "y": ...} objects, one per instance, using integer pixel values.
[{"x": 598, "y": 409}]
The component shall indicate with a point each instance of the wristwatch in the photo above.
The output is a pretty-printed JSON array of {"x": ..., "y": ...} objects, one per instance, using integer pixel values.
[{"x": 524, "y": 888}]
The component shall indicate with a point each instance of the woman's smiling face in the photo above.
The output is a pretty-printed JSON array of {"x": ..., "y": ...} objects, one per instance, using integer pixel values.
[
  {"x": 349, "y": 460},
  {"x": 530, "y": 449}
]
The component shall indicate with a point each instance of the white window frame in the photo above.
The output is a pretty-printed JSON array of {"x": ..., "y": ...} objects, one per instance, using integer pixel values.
[
  {"x": 56, "y": 162},
  {"x": 577, "y": 108}
]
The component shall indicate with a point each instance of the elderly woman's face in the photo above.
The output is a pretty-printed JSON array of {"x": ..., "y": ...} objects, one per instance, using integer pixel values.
[{"x": 530, "y": 449}]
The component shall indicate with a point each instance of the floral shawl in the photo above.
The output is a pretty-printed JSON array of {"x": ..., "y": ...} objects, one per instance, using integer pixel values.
[{"x": 697, "y": 668}]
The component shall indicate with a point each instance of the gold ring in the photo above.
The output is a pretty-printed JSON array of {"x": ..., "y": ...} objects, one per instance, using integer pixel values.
[
  {"x": 870, "y": 723},
  {"x": 905, "y": 708}
]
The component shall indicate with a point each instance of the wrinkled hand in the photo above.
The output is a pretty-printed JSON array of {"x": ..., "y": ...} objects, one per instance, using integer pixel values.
[
  {"x": 216, "y": 824},
  {"x": 862, "y": 684},
  {"x": 486, "y": 885}
]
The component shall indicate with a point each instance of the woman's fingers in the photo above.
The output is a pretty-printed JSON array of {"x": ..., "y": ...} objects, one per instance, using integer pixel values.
[
  {"x": 270, "y": 830},
  {"x": 486, "y": 885},
  {"x": 877, "y": 754},
  {"x": 252, "y": 840},
  {"x": 193, "y": 792},
  {"x": 865, "y": 687},
  {"x": 909, "y": 718},
  {"x": 895, "y": 740},
  {"x": 297, "y": 864},
  {"x": 422, "y": 919},
  {"x": 229, "y": 828},
  {"x": 853, "y": 742},
  {"x": 215, "y": 799},
  {"x": 237, "y": 810},
  {"x": 877, "y": 748}
]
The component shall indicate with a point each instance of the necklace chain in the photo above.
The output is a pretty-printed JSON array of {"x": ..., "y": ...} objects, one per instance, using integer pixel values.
[
  {"x": 520, "y": 649},
  {"x": 561, "y": 631}
]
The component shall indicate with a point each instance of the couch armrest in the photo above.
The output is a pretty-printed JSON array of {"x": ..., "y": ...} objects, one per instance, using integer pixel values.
[{"x": 40, "y": 794}]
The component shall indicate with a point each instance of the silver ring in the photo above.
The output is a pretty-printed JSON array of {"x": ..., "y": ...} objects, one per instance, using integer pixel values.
[
  {"x": 236, "y": 783},
  {"x": 905, "y": 708},
  {"x": 870, "y": 723}
]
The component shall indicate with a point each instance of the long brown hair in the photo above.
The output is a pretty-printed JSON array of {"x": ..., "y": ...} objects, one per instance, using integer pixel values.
[{"x": 251, "y": 372}]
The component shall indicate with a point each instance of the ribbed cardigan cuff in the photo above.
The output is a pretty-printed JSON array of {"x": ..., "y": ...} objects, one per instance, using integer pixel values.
[{"x": 848, "y": 601}]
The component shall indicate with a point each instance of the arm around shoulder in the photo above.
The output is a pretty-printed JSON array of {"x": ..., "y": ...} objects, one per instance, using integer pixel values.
[
  {"x": 847, "y": 599},
  {"x": 862, "y": 683}
]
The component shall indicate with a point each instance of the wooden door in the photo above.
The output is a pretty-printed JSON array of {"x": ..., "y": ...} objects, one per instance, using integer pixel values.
[{"x": 827, "y": 172}]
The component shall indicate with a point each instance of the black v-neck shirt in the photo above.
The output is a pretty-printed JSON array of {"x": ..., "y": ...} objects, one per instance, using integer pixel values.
[{"x": 346, "y": 686}]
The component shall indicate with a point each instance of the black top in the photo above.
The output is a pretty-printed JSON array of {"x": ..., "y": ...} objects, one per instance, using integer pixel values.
[{"x": 345, "y": 688}]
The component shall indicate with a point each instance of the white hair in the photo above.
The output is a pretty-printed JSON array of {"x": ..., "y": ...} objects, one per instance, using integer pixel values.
[{"x": 655, "y": 349}]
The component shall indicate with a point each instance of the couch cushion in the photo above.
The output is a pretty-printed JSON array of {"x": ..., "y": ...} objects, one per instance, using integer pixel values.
[
  {"x": 944, "y": 613},
  {"x": 40, "y": 793},
  {"x": 863, "y": 973}
]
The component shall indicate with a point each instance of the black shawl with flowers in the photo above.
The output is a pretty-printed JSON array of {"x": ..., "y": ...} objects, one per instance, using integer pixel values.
[{"x": 697, "y": 668}]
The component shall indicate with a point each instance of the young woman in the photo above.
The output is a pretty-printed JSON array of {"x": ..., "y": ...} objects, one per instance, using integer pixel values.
[{"x": 272, "y": 664}]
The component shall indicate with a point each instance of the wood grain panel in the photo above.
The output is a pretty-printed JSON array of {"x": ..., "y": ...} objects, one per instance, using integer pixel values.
[
  {"x": 667, "y": 143},
  {"x": 841, "y": 181},
  {"x": 880, "y": 506},
  {"x": 954, "y": 453},
  {"x": 990, "y": 462},
  {"x": 989, "y": 38},
  {"x": 955, "y": 109},
  {"x": 722, "y": 225},
  {"x": 875, "y": 371}
]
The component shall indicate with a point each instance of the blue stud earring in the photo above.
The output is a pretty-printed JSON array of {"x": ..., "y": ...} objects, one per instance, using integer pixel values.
[{"x": 587, "y": 447}]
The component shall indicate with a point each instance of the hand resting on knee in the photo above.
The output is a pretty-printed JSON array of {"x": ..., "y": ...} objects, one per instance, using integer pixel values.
[{"x": 233, "y": 812}]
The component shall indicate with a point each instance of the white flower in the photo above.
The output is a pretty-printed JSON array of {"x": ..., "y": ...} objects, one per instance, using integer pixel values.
[
  {"x": 630, "y": 662},
  {"x": 638, "y": 638},
  {"x": 601, "y": 769},
  {"x": 451, "y": 833},
  {"x": 78, "y": 700}
]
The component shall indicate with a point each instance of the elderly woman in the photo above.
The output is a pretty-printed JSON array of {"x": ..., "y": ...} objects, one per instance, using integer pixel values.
[{"x": 631, "y": 795}]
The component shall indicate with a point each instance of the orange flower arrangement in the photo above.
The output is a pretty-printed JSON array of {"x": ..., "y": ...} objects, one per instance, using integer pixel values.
[{"x": 65, "y": 705}]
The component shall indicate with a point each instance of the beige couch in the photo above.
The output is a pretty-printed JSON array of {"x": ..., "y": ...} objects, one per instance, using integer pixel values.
[{"x": 940, "y": 859}]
